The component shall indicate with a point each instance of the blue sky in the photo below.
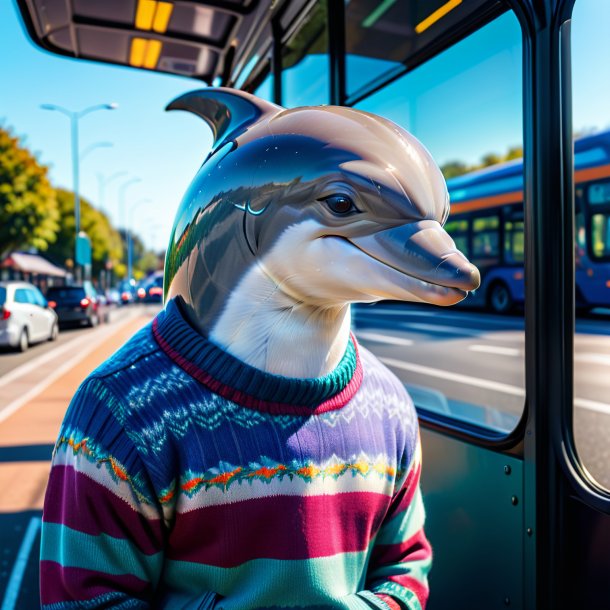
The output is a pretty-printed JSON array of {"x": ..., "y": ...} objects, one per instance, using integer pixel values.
[{"x": 459, "y": 113}]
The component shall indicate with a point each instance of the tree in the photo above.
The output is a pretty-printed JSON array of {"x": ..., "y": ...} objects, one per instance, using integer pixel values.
[
  {"x": 106, "y": 245},
  {"x": 451, "y": 169},
  {"x": 28, "y": 207}
]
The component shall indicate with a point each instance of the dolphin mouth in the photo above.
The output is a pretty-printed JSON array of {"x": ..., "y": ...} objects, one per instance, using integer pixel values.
[{"x": 424, "y": 289}]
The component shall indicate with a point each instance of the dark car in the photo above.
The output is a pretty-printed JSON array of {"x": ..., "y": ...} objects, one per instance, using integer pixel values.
[
  {"x": 151, "y": 290},
  {"x": 78, "y": 304}
]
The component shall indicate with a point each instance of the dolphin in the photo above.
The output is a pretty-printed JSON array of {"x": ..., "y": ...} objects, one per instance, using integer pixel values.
[{"x": 297, "y": 213}]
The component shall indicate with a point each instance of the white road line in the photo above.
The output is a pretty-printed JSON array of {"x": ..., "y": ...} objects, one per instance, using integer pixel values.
[
  {"x": 495, "y": 349},
  {"x": 32, "y": 365},
  {"x": 379, "y": 338},
  {"x": 592, "y": 405},
  {"x": 14, "y": 406},
  {"x": 458, "y": 377},
  {"x": 487, "y": 384},
  {"x": 14, "y": 583},
  {"x": 591, "y": 358},
  {"x": 438, "y": 328}
]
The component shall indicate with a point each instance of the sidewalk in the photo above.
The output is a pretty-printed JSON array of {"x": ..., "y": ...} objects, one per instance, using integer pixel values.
[{"x": 29, "y": 425}]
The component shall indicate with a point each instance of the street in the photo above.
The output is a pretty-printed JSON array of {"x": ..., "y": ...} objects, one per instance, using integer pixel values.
[{"x": 468, "y": 365}]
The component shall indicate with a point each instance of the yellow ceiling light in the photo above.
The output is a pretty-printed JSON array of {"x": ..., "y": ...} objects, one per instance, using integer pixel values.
[
  {"x": 145, "y": 14},
  {"x": 145, "y": 53},
  {"x": 437, "y": 15},
  {"x": 152, "y": 54},
  {"x": 153, "y": 15},
  {"x": 162, "y": 16},
  {"x": 138, "y": 50}
]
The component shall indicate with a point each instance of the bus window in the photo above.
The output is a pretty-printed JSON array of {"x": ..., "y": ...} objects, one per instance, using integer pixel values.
[
  {"x": 591, "y": 118},
  {"x": 486, "y": 240},
  {"x": 305, "y": 62},
  {"x": 514, "y": 246},
  {"x": 458, "y": 229},
  {"x": 600, "y": 235},
  {"x": 459, "y": 363}
]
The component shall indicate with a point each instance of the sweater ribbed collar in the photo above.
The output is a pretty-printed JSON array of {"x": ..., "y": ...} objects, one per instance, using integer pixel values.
[{"x": 241, "y": 383}]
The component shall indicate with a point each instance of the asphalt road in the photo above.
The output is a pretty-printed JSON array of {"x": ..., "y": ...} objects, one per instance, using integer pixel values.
[{"x": 471, "y": 365}]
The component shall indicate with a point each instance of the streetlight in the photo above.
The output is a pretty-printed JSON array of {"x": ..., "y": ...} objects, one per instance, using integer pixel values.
[
  {"x": 74, "y": 118},
  {"x": 93, "y": 147},
  {"x": 103, "y": 182},
  {"x": 129, "y": 240},
  {"x": 122, "y": 190}
]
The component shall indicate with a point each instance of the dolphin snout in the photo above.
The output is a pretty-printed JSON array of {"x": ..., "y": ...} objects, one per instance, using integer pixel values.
[
  {"x": 423, "y": 250},
  {"x": 457, "y": 271}
]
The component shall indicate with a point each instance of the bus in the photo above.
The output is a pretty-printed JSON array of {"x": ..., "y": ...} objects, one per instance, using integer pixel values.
[
  {"x": 514, "y": 410},
  {"x": 486, "y": 223}
]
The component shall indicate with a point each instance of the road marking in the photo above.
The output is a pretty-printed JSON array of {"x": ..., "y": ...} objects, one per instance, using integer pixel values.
[
  {"x": 14, "y": 583},
  {"x": 487, "y": 384},
  {"x": 591, "y": 358},
  {"x": 379, "y": 338},
  {"x": 438, "y": 328},
  {"x": 495, "y": 349},
  {"x": 466, "y": 379},
  {"x": 14, "y": 406},
  {"x": 592, "y": 405}
]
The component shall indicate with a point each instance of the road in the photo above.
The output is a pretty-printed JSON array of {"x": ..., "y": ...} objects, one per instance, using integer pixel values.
[
  {"x": 35, "y": 389},
  {"x": 471, "y": 365}
]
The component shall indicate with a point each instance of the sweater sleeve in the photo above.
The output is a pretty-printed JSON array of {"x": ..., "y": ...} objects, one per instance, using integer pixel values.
[
  {"x": 102, "y": 530},
  {"x": 401, "y": 558}
]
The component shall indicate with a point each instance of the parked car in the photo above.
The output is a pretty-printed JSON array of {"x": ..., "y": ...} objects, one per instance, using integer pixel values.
[
  {"x": 151, "y": 290},
  {"x": 127, "y": 292},
  {"x": 25, "y": 317},
  {"x": 77, "y": 304}
]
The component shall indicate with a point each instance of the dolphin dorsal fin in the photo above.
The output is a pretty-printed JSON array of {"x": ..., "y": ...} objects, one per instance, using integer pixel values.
[{"x": 226, "y": 111}]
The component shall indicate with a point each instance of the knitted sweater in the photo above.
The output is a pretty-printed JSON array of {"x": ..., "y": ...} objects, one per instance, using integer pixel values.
[{"x": 184, "y": 478}]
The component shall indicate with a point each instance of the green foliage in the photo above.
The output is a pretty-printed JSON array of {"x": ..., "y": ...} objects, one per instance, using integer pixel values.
[
  {"x": 452, "y": 169},
  {"x": 28, "y": 208},
  {"x": 106, "y": 242}
]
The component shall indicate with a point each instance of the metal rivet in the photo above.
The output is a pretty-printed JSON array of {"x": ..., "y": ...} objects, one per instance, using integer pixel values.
[
  {"x": 514, "y": 500},
  {"x": 507, "y": 469},
  {"x": 507, "y": 601},
  {"x": 529, "y": 531}
]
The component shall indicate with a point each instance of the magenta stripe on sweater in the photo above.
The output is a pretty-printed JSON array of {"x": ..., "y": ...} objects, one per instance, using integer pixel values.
[
  {"x": 246, "y": 400},
  {"x": 280, "y": 527},
  {"x": 390, "y": 601},
  {"x": 416, "y": 548},
  {"x": 97, "y": 510},
  {"x": 415, "y": 585},
  {"x": 59, "y": 584}
]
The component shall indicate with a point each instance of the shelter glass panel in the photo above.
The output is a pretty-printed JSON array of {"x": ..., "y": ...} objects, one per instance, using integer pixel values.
[
  {"x": 305, "y": 61},
  {"x": 591, "y": 127},
  {"x": 465, "y": 105}
]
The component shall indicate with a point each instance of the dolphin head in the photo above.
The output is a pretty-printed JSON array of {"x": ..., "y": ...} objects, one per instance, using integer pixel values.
[{"x": 332, "y": 204}]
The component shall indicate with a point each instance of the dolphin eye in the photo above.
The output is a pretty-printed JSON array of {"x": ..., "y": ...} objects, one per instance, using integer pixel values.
[{"x": 340, "y": 205}]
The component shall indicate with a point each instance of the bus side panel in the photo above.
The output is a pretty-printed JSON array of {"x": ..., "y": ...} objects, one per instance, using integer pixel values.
[
  {"x": 474, "y": 509},
  {"x": 587, "y": 557}
]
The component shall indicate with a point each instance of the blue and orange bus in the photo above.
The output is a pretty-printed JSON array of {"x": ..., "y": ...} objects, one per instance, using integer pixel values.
[{"x": 486, "y": 222}]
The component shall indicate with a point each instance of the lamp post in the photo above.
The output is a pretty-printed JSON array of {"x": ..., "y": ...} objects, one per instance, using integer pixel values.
[
  {"x": 74, "y": 118},
  {"x": 122, "y": 191},
  {"x": 103, "y": 182},
  {"x": 93, "y": 147},
  {"x": 129, "y": 240}
]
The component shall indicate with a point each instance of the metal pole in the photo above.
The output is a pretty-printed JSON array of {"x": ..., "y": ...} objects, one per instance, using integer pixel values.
[{"x": 76, "y": 187}]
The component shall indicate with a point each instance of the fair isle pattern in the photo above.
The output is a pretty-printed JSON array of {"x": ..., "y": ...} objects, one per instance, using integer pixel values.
[
  {"x": 163, "y": 494},
  {"x": 226, "y": 475}
]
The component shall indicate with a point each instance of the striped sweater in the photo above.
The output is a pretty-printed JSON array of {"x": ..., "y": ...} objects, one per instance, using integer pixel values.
[{"x": 185, "y": 479}]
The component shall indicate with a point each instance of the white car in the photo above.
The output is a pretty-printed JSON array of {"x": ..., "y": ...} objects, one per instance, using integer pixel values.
[{"x": 25, "y": 316}]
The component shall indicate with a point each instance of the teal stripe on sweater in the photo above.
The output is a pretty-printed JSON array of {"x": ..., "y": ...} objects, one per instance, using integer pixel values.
[
  {"x": 256, "y": 583},
  {"x": 402, "y": 527},
  {"x": 103, "y": 553}
]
